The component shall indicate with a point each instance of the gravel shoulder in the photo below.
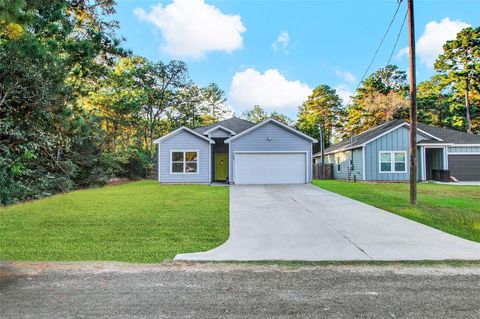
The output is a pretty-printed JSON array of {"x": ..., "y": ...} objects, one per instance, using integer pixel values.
[{"x": 237, "y": 290}]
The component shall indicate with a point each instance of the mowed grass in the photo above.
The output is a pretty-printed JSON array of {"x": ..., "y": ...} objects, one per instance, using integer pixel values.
[
  {"x": 453, "y": 209},
  {"x": 135, "y": 222}
]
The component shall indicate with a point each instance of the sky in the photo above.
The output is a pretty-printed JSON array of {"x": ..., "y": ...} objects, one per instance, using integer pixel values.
[{"x": 274, "y": 52}]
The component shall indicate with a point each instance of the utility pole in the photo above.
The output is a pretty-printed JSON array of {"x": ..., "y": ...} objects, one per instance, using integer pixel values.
[
  {"x": 413, "y": 107},
  {"x": 322, "y": 149}
]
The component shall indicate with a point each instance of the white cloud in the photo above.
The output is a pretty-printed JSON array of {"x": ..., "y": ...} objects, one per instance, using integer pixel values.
[
  {"x": 282, "y": 42},
  {"x": 269, "y": 90},
  {"x": 191, "y": 27},
  {"x": 403, "y": 52},
  {"x": 346, "y": 76},
  {"x": 345, "y": 92},
  {"x": 430, "y": 44}
]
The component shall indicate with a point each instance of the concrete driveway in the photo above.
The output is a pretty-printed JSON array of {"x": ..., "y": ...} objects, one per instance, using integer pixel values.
[{"x": 304, "y": 222}]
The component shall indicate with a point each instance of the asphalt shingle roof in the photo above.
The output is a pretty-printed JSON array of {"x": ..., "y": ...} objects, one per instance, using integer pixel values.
[
  {"x": 447, "y": 135},
  {"x": 235, "y": 124}
]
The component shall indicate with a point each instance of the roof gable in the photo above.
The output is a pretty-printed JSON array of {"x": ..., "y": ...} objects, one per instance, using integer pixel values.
[
  {"x": 234, "y": 124},
  {"x": 372, "y": 134},
  {"x": 273, "y": 121},
  {"x": 219, "y": 127},
  {"x": 183, "y": 129}
]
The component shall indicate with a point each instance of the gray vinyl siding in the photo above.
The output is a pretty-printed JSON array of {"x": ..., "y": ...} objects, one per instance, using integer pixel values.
[
  {"x": 421, "y": 138},
  {"x": 184, "y": 141},
  {"x": 358, "y": 164},
  {"x": 463, "y": 149},
  {"x": 281, "y": 140},
  {"x": 397, "y": 140},
  {"x": 345, "y": 157},
  {"x": 219, "y": 133}
]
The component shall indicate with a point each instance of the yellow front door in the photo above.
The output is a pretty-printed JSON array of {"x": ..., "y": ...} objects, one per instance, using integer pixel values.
[{"x": 221, "y": 166}]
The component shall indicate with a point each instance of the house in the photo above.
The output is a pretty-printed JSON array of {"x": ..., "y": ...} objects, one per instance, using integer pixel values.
[
  {"x": 382, "y": 154},
  {"x": 236, "y": 151}
]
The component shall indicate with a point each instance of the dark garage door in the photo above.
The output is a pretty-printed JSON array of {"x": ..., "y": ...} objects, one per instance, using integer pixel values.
[{"x": 464, "y": 167}]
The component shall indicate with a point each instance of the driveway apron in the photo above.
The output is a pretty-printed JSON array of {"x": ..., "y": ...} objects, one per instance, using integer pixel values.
[{"x": 304, "y": 222}]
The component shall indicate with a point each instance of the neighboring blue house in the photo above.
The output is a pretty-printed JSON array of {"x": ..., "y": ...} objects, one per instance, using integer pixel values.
[
  {"x": 236, "y": 151},
  {"x": 382, "y": 154}
]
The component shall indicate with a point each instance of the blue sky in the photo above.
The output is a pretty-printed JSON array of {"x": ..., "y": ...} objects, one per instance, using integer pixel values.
[{"x": 273, "y": 53}]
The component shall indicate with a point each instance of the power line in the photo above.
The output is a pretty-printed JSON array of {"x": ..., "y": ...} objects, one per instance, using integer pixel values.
[
  {"x": 398, "y": 37},
  {"x": 377, "y": 50}
]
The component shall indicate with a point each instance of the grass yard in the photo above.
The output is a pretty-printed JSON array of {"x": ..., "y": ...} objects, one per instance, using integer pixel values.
[
  {"x": 136, "y": 222},
  {"x": 453, "y": 209}
]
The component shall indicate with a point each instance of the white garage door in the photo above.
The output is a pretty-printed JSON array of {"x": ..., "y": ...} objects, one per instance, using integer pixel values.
[{"x": 270, "y": 168}]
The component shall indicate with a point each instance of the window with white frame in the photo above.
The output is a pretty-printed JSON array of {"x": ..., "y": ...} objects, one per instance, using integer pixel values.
[
  {"x": 339, "y": 166},
  {"x": 393, "y": 162},
  {"x": 184, "y": 162}
]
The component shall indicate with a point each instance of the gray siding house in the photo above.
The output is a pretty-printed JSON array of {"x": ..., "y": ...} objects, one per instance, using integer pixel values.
[
  {"x": 382, "y": 154},
  {"x": 236, "y": 151}
]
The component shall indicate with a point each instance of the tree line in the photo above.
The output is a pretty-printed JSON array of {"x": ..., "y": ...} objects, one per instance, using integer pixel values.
[{"x": 75, "y": 107}]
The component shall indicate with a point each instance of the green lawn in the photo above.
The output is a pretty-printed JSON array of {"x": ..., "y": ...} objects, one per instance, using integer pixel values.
[
  {"x": 136, "y": 222},
  {"x": 453, "y": 209}
]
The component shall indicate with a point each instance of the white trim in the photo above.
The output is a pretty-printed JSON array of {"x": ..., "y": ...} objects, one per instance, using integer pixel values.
[
  {"x": 464, "y": 153},
  {"x": 445, "y": 161},
  {"x": 446, "y": 157},
  {"x": 440, "y": 145},
  {"x": 428, "y": 134},
  {"x": 424, "y": 164},
  {"x": 273, "y": 152},
  {"x": 311, "y": 165},
  {"x": 392, "y": 162},
  {"x": 465, "y": 145},
  {"x": 363, "y": 164},
  {"x": 338, "y": 164},
  {"x": 178, "y": 130},
  {"x": 209, "y": 163},
  {"x": 270, "y": 120},
  {"x": 185, "y": 162},
  {"x": 281, "y": 152},
  {"x": 158, "y": 168},
  {"x": 213, "y": 129},
  {"x": 424, "y": 147}
]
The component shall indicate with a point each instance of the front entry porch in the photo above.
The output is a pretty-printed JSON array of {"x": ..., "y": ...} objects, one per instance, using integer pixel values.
[
  {"x": 219, "y": 161},
  {"x": 433, "y": 158}
]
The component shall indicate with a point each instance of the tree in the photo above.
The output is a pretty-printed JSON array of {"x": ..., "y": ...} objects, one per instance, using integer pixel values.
[
  {"x": 281, "y": 118},
  {"x": 189, "y": 106},
  {"x": 50, "y": 53},
  {"x": 381, "y": 98},
  {"x": 118, "y": 101},
  {"x": 159, "y": 82},
  {"x": 256, "y": 114},
  {"x": 215, "y": 99},
  {"x": 434, "y": 103},
  {"x": 460, "y": 65},
  {"x": 323, "y": 107}
]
